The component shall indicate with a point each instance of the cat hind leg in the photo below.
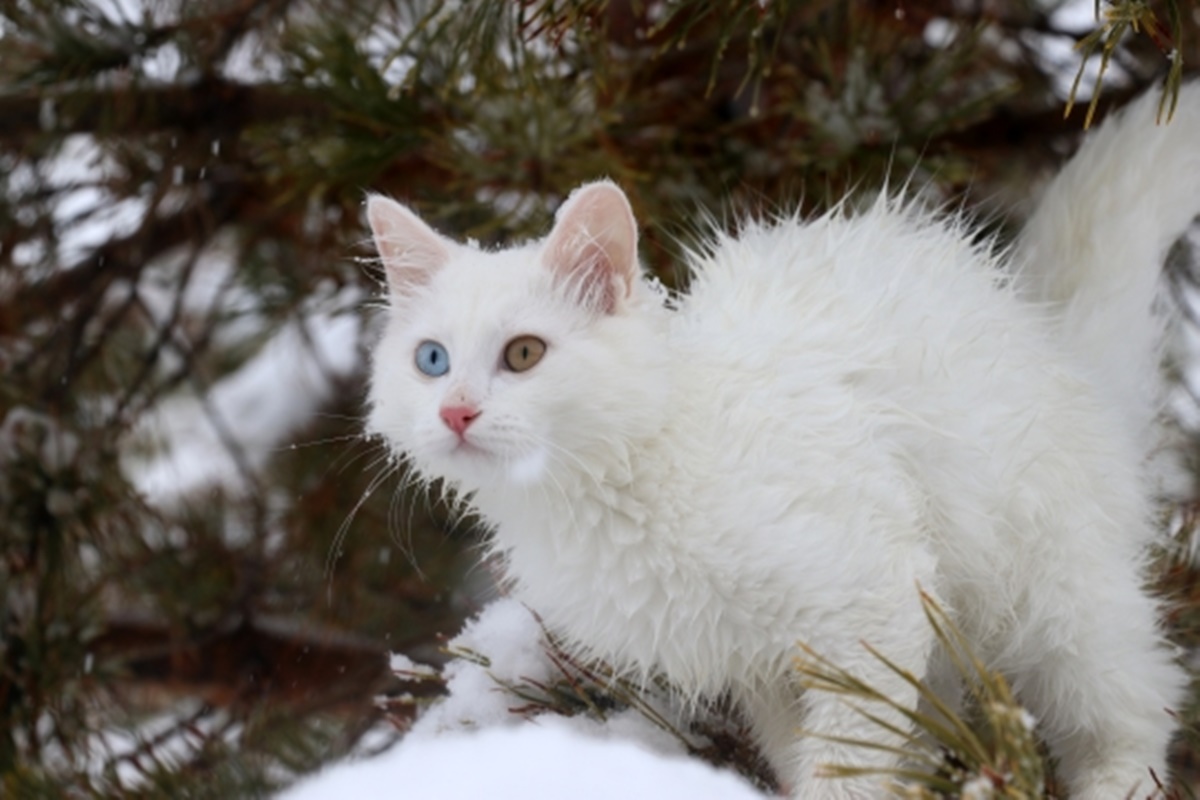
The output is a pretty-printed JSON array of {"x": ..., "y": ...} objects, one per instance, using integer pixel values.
[{"x": 1102, "y": 685}]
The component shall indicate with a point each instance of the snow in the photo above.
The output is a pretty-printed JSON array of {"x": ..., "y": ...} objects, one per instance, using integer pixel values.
[
  {"x": 978, "y": 788},
  {"x": 508, "y": 639},
  {"x": 542, "y": 760},
  {"x": 504, "y": 646},
  {"x": 471, "y": 744},
  {"x": 401, "y": 663}
]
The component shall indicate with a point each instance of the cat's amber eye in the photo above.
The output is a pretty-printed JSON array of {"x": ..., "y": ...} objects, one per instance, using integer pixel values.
[{"x": 523, "y": 352}]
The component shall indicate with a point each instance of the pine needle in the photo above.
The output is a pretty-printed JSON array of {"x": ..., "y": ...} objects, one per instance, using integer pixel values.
[{"x": 1116, "y": 19}]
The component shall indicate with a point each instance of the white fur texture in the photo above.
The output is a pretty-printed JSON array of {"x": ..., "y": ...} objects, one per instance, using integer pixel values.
[{"x": 836, "y": 412}]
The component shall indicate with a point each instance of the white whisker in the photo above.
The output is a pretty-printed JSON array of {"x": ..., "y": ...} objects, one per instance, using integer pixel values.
[{"x": 344, "y": 529}]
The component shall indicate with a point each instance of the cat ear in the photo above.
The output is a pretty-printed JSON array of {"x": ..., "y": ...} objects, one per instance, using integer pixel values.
[
  {"x": 594, "y": 245},
  {"x": 411, "y": 251}
]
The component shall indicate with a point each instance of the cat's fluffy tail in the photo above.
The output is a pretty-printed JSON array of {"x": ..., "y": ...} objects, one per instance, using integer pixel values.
[{"x": 1095, "y": 247}]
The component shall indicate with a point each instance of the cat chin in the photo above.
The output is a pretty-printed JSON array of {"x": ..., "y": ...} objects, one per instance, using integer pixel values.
[{"x": 471, "y": 466}]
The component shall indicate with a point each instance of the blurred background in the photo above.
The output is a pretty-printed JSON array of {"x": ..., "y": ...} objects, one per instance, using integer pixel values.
[{"x": 203, "y": 565}]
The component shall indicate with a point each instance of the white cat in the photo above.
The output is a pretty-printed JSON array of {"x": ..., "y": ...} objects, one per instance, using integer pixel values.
[{"x": 836, "y": 412}]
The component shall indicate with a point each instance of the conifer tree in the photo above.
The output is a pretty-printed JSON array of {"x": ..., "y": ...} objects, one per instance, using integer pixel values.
[{"x": 203, "y": 564}]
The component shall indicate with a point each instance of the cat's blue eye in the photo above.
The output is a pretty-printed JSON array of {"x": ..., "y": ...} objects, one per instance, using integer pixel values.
[{"x": 432, "y": 359}]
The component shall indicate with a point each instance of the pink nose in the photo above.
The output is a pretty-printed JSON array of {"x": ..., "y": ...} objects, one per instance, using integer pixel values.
[{"x": 459, "y": 418}]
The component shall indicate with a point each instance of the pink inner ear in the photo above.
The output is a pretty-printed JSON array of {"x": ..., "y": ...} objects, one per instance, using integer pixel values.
[
  {"x": 410, "y": 250},
  {"x": 594, "y": 246},
  {"x": 590, "y": 275}
]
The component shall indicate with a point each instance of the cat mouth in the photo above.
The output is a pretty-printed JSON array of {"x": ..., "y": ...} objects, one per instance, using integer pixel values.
[{"x": 467, "y": 447}]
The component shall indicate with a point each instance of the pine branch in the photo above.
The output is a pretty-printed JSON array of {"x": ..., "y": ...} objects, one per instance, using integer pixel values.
[
  {"x": 218, "y": 106},
  {"x": 1118, "y": 18}
]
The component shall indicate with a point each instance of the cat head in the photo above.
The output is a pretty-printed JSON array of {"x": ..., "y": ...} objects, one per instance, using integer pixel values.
[{"x": 502, "y": 368}]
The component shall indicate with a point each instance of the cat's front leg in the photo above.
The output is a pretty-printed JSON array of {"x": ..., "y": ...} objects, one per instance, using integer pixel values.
[{"x": 805, "y": 731}]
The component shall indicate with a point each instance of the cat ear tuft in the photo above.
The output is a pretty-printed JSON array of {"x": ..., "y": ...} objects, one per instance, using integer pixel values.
[
  {"x": 593, "y": 245},
  {"x": 411, "y": 251}
]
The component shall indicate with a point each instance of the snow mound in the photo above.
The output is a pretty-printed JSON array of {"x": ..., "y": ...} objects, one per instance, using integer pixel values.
[
  {"x": 546, "y": 759},
  {"x": 477, "y": 743}
]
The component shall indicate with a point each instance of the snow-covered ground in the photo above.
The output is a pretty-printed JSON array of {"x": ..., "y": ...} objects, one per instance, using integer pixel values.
[
  {"x": 532, "y": 761},
  {"x": 471, "y": 744}
]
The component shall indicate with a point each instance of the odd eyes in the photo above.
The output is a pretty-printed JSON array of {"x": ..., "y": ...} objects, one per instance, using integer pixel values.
[
  {"x": 523, "y": 352},
  {"x": 432, "y": 359},
  {"x": 520, "y": 354}
]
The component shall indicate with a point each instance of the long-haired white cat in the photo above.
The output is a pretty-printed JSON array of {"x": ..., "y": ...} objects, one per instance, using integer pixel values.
[{"x": 837, "y": 413}]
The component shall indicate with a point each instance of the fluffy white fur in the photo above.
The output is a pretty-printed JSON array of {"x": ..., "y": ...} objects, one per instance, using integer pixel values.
[{"x": 837, "y": 412}]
